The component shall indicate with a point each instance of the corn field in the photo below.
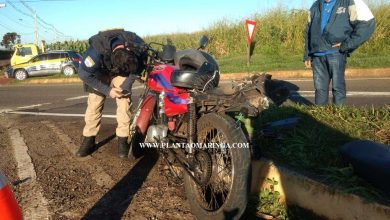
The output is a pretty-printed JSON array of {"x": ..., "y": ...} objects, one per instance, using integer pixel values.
[{"x": 279, "y": 33}]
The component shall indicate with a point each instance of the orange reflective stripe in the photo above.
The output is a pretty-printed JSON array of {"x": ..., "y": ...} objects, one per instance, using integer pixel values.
[{"x": 9, "y": 208}]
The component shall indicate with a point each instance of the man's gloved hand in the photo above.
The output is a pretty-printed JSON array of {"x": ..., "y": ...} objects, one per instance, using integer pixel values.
[{"x": 116, "y": 93}]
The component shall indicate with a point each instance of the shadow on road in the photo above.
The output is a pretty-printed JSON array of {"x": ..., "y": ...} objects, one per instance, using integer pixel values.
[
  {"x": 115, "y": 202},
  {"x": 104, "y": 142},
  {"x": 294, "y": 95}
]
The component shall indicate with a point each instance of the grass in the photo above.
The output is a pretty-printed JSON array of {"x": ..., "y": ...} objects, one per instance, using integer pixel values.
[
  {"x": 260, "y": 63},
  {"x": 278, "y": 41},
  {"x": 313, "y": 145}
]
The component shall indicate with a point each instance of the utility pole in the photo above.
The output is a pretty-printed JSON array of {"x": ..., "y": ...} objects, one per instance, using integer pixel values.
[
  {"x": 55, "y": 34},
  {"x": 36, "y": 27}
]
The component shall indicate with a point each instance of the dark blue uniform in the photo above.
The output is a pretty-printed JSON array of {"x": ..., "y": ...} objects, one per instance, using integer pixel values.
[{"x": 96, "y": 76}]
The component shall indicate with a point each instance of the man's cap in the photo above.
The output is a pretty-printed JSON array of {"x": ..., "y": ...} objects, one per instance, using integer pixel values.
[{"x": 117, "y": 41}]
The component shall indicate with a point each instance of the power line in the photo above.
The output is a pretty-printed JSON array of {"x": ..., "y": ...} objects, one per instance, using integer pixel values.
[
  {"x": 22, "y": 12},
  {"x": 17, "y": 9},
  {"x": 4, "y": 26},
  {"x": 39, "y": 18},
  {"x": 32, "y": 1},
  {"x": 15, "y": 21},
  {"x": 39, "y": 22}
]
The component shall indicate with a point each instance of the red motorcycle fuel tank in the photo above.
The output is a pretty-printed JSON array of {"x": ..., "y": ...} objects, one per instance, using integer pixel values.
[{"x": 176, "y": 99}]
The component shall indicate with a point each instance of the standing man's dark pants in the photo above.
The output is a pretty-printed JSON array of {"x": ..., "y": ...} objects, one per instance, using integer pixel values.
[{"x": 326, "y": 68}]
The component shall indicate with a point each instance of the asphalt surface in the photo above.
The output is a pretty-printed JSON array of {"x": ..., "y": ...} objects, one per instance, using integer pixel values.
[
  {"x": 71, "y": 99},
  {"x": 103, "y": 186}
]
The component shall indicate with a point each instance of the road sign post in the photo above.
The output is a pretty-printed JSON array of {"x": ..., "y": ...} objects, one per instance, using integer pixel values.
[{"x": 250, "y": 27}]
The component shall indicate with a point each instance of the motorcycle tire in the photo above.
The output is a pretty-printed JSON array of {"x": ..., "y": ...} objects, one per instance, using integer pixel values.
[{"x": 236, "y": 199}]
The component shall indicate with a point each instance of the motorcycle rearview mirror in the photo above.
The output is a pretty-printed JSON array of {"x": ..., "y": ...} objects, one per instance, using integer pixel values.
[{"x": 204, "y": 40}]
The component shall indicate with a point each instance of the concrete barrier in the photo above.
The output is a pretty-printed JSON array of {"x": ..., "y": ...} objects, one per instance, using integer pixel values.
[{"x": 312, "y": 195}]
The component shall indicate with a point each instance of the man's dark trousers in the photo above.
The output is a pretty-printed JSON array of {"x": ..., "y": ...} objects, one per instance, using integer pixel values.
[{"x": 326, "y": 68}]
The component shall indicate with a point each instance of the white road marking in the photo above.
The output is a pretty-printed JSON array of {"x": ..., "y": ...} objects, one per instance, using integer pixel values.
[
  {"x": 6, "y": 110},
  {"x": 37, "y": 208},
  {"x": 347, "y": 79},
  {"x": 350, "y": 94},
  {"x": 86, "y": 96},
  {"x": 54, "y": 114},
  {"x": 311, "y": 80},
  {"x": 77, "y": 97},
  {"x": 33, "y": 106}
]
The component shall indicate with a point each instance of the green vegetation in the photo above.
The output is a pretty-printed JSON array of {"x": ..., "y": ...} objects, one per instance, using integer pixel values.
[
  {"x": 267, "y": 205},
  {"x": 278, "y": 41},
  {"x": 269, "y": 201},
  {"x": 78, "y": 46},
  {"x": 313, "y": 145}
]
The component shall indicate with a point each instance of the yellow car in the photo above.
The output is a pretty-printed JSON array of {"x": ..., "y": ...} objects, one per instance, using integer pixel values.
[{"x": 51, "y": 63}]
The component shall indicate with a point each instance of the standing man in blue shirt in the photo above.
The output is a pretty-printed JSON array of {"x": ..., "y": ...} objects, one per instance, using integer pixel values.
[{"x": 334, "y": 30}]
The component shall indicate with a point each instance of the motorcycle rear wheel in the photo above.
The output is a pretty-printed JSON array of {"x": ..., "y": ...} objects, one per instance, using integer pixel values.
[{"x": 225, "y": 195}]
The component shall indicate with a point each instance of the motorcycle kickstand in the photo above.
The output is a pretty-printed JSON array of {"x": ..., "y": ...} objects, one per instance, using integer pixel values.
[{"x": 170, "y": 166}]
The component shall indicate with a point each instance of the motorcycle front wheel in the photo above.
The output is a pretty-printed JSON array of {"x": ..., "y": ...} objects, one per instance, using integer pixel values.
[{"x": 222, "y": 169}]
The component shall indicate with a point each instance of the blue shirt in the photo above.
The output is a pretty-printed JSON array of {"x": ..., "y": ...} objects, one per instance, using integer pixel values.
[{"x": 326, "y": 12}]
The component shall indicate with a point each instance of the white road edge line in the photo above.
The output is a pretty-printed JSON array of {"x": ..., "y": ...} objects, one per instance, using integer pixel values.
[
  {"x": 37, "y": 208},
  {"x": 55, "y": 114},
  {"x": 32, "y": 106},
  {"x": 6, "y": 110},
  {"x": 77, "y": 97},
  {"x": 347, "y": 79},
  {"x": 352, "y": 93},
  {"x": 86, "y": 96}
]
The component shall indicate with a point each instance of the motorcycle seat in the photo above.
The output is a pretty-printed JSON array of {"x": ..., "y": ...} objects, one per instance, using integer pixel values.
[{"x": 195, "y": 79}]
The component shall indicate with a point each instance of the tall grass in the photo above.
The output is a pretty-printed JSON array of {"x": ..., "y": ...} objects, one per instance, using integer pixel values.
[{"x": 279, "y": 35}]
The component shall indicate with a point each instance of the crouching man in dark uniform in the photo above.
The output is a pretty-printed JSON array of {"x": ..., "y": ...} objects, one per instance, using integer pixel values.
[{"x": 109, "y": 68}]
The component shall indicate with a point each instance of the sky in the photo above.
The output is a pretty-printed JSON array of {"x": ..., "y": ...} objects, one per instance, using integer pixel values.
[{"x": 80, "y": 19}]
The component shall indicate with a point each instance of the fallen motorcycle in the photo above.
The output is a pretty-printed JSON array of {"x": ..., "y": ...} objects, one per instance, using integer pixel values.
[{"x": 192, "y": 123}]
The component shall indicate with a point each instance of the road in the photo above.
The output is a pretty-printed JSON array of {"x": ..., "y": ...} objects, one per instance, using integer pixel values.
[
  {"x": 47, "y": 130},
  {"x": 70, "y": 99}
]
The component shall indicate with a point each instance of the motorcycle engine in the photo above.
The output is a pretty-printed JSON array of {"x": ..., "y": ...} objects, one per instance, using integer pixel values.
[{"x": 156, "y": 133}]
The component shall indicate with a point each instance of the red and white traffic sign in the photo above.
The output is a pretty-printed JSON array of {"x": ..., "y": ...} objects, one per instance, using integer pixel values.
[{"x": 250, "y": 30}]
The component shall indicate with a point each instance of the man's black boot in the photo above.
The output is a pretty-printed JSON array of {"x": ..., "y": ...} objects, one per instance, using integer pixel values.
[
  {"x": 87, "y": 147},
  {"x": 123, "y": 147}
]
